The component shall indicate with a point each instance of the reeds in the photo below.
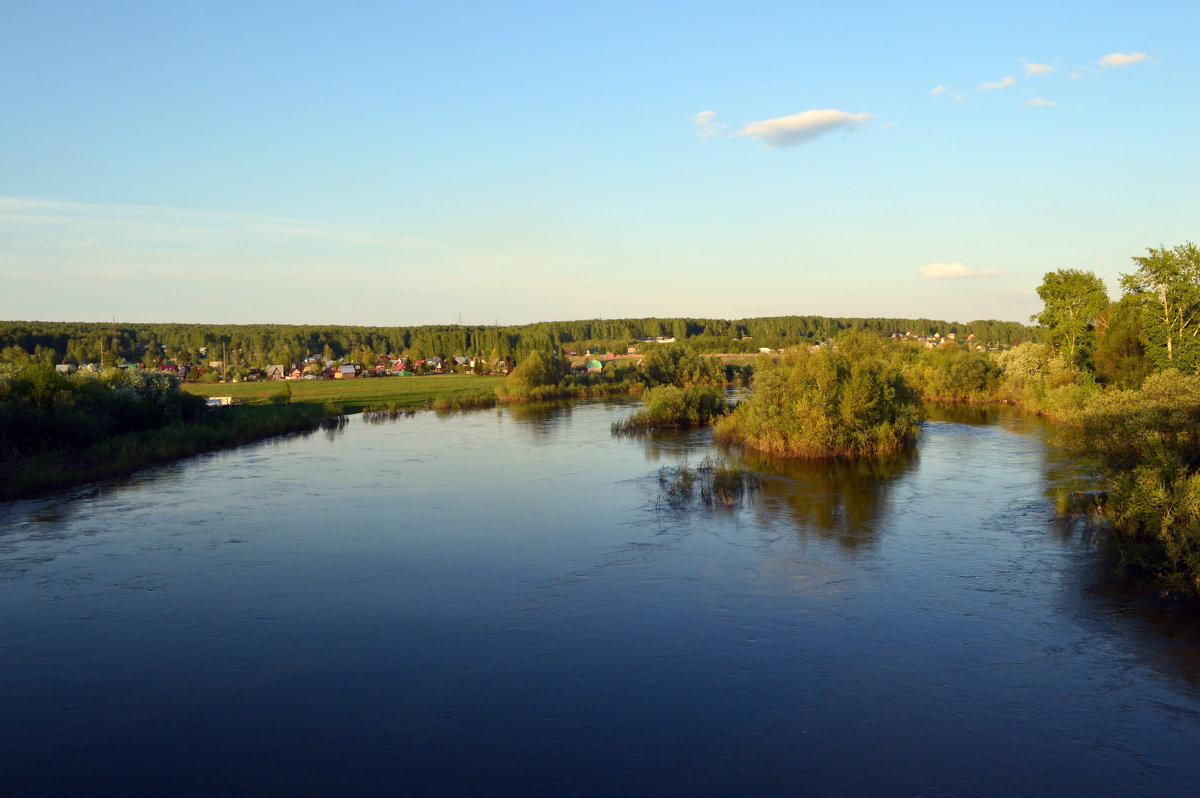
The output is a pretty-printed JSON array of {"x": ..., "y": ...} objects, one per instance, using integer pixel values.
[{"x": 720, "y": 484}]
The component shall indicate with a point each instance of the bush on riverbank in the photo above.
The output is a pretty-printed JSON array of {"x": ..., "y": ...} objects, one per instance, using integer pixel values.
[
  {"x": 58, "y": 430},
  {"x": 1147, "y": 443},
  {"x": 825, "y": 404},
  {"x": 669, "y": 406},
  {"x": 120, "y": 455},
  {"x": 543, "y": 376},
  {"x": 42, "y": 409}
]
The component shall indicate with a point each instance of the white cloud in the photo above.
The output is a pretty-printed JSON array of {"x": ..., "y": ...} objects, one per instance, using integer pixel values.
[
  {"x": 939, "y": 89},
  {"x": 1037, "y": 69},
  {"x": 959, "y": 98},
  {"x": 1000, "y": 84},
  {"x": 1077, "y": 74},
  {"x": 1123, "y": 59},
  {"x": 946, "y": 271},
  {"x": 1040, "y": 102},
  {"x": 788, "y": 131},
  {"x": 888, "y": 125},
  {"x": 706, "y": 124}
]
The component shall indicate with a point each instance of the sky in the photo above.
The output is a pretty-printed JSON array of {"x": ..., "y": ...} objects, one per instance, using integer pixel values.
[{"x": 398, "y": 163}]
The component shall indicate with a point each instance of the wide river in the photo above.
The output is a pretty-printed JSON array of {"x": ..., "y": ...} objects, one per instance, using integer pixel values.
[{"x": 501, "y": 602}]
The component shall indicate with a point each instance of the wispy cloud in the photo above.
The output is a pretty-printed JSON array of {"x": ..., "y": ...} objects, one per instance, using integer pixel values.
[
  {"x": 1123, "y": 59},
  {"x": 1003, "y": 83},
  {"x": 938, "y": 90},
  {"x": 952, "y": 271},
  {"x": 706, "y": 124},
  {"x": 1037, "y": 69},
  {"x": 789, "y": 131},
  {"x": 1040, "y": 102},
  {"x": 146, "y": 222}
]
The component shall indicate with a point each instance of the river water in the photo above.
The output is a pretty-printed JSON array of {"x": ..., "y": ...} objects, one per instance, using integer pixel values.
[{"x": 501, "y": 602}]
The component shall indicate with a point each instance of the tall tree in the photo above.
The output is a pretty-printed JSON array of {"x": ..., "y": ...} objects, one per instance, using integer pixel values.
[
  {"x": 1120, "y": 355},
  {"x": 1073, "y": 299},
  {"x": 1167, "y": 287}
]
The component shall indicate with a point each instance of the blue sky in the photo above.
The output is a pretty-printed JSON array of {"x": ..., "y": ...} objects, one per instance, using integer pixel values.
[{"x": 398, "y": 163}]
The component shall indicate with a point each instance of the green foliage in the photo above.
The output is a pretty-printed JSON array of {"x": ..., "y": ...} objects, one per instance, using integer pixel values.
[
  {"x": 680, "y": 365},
  {"x": 1166, "y": 287},
  {"x": 824, "y": 404},
  {"x": 283, "y": 396},
  {"x": 1045, "y": 382},
  {"x": 953, "y": 373},
  {"x": 42, "y": 409},
  {"x": 251, "y": 345},
  {"x": 1147, "y": 443},
  {"x": 535, "y": 371},
  {"x": 1073, "y": 300},
  {"x": 669, "y": 406},
  {"x": 120, "y": 454},
  {"x": 1120, "y": 355}
]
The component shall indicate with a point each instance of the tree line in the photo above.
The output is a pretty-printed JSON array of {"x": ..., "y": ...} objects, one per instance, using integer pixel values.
[{"x": 258, "y": 345}]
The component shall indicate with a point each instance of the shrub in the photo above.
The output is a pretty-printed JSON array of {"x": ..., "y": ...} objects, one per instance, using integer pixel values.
[{"x": 825, "y": 404}]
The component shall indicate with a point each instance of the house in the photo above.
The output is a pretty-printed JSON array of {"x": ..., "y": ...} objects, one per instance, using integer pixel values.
[
  {"x": 275, "y": 372},
  {"x": 631, "y": 350},
  {"x": 434, "y": 364},
  {"x": 64, "y": 368},
  {"x": 665, "y": 339},
  {"x": 296, "y": 373},
  {"x": 595, "y": 366},
  {"x": 346, "y": 372}
]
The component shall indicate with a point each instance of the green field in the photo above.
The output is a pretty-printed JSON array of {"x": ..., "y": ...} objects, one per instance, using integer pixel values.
[{"x": 354, "y": 395}]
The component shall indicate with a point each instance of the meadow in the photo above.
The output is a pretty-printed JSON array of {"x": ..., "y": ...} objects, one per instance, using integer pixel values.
[{"x": 353, "y": 396}]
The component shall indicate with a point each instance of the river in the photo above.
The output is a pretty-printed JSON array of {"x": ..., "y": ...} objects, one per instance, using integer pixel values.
[{"x": 500, "y": 602}]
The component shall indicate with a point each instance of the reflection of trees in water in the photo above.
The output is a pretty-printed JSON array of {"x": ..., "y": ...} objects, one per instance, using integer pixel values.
[
  {"x": 977, "y": 415},
  {"x": 841, "y": 500},
  {"x": 540, "y": 418},
  {"x": 674, "y": 445}
]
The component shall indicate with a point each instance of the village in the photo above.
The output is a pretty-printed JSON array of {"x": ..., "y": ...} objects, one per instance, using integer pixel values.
[{"x": 582, "y": 361}]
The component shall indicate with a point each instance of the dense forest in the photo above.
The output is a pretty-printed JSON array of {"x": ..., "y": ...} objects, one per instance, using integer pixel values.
[{"x": 258, "y": 345}]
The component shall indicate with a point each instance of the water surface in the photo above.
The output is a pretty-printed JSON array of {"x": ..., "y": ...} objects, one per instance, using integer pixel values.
[{"x": 500, "y": 603}]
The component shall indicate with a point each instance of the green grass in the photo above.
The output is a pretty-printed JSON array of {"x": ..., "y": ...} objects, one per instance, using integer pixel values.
[{"x": 358, "y": 394}]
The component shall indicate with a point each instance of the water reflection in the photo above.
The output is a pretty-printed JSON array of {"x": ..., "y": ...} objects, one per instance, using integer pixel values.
[
  {"x": 967, "y": 413},
  {"x": 842, "y": 501},
  {"x": 431, "y": 602},
  {"x": 540, "y": 418}
]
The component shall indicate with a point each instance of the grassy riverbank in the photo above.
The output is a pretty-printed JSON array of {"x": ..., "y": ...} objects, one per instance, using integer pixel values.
[
  {"x": 75, "y": 430},
  {"x": 354, "y": 396},
  {"x": 120, "y": 455}
]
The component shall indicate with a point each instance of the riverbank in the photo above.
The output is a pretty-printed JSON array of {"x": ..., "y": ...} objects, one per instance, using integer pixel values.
[{"x": 120, "y": 456}]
